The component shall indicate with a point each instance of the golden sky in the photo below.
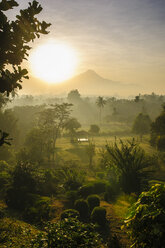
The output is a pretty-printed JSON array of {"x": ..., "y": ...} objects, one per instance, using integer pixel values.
[{"x": 122, "y": 40}]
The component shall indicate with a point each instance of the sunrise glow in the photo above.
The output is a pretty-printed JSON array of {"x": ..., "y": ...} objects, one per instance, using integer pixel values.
[{"x": 53, "y": 62}]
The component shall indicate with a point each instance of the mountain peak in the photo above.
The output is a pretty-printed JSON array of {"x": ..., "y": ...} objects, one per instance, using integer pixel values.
[{"x": 90, "y": 74}]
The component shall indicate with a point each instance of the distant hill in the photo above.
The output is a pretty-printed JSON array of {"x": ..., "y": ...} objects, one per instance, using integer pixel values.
[
  {"x": 87, "y": 83},
  {"x": 90, "y": 83}
]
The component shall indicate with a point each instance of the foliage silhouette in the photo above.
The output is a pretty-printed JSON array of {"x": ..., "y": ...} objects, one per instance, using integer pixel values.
[
  {"x": 14, "y": 39},
  {"x": 100, "y": 102},
  {"x": 142, "y": 124},
  {"x": 158, "y": 128},
  {"x": 130, "y": 162},
  {"x": 146, "y": 220}
]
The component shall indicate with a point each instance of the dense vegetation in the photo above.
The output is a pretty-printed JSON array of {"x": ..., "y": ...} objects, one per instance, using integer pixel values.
[
  {"x": 67, "y": 179},
  {"x": 48, "y": 176}
]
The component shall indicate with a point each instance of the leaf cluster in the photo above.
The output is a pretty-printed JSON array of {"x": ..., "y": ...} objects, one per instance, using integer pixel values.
[
  {"x": 146, "y": 220},
  {"x": 130, "y": 162},
  {"x": 14, "y": 39},
  {"x": 68, "y": 233}
]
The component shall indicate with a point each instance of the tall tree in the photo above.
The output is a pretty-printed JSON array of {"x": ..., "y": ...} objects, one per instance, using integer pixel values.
[
  {"x": 14, "y": 39},
  {"x": 72, "y": 125},
  {"x": 74, "y": 96},
  {"x": 100, "y": 102},
  {"x": 142, "y": 125},
  {"x": 53, "y": 120}
]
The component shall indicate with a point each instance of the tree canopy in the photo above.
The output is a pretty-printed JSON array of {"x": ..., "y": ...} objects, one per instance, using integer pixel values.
[
  {"x": 142, "y": 124},
  {"x": 15, "y": 37},
  {"x": 158, "y": 128}
]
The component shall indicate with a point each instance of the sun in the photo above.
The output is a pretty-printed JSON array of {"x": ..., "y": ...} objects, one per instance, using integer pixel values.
[{"x": 53, "y": 62}]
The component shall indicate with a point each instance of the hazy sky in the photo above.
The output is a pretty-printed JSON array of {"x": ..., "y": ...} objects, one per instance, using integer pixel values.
[{"x": 123, "y": 40}]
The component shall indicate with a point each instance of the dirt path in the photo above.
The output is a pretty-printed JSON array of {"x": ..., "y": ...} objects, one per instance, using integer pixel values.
[{"x": 115, "y": 224}]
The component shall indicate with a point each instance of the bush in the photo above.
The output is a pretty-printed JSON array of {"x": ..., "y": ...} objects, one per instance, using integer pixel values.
[
  {"x": 24, "y": 182},
  {"x": 95, "y": 187},
  {"x": 86, "y": 190},
  {"x": 70, "y": 213},
  {"x": 161, "y": 143},
  {"x": 130, "y": 163},
  {"x": 4, "y": 166},
  {"x": 98, "y": 216},
  {"x": 39, "y": 209},
  {"x": 82, "y": 207},
  {"x": 71, "y": 196},
  {"x": 111, "y": 191},
  {"x": 146, "y": 222},
  {"x": 100, "y": 175},
  {"x": 99, "y": 187},
  {"x": 68, "y": 233},
  {"x": 93, "y": 201}
]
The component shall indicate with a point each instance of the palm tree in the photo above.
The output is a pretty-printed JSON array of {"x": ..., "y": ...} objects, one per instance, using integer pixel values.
[{"x": 100, "y": 103}]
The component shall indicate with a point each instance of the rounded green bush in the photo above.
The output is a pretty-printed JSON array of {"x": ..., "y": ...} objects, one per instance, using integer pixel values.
[
  {"x": 111, "y": 191},
  {"x": 99, "y": 187},
  {"x": 71, "y": 196},
  {"x": 98, "y": 216},
  {"x": 86, "y": 190},
  {"x": 82, "y": 207},
  {"x": 39, "y": 210},
  {"x": 93, "y": 201},
  {"x": 70, "y": 213}
]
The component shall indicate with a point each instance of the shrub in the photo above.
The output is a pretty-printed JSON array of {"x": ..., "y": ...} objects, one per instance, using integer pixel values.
[
  {"x": 100, "y": 175},
  {"x": 82, "y": 207},
  {"x": 71, "y": 196},
  {"x": 4, "y": 166},
  {"x": 98, "y": 216},
  {"x": 68, "y": 233},
  {"x": 95, "y": 187},
  {"x": 111, "y": 191},
  {"x": 146, "y": 222},
  {"x": 24, "y": 182},
  {"x": 86, "y": 190},
  {"x": 99, "y": 187},
  {"x": 94, "y": 129},
  {"x": 70, "y": 213},
  {"x": 93, "y": 201},
  {"x": 38, "y": 210},
  {"x": 161, "y": 143},
  {"x": 130, "y": 162}
]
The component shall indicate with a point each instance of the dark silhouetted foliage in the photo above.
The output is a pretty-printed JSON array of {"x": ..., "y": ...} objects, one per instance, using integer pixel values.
[
  {"x": 142, "y": 124},
  {"x": 82, "y": 207},
  {"x": 14, "y": 39},
  {"x": 158, "y": 128},
  {"x": 98, "y": 216},
  {"x": 93, "y": 201},
  {"x": 130, "y": 161},
  {"x": 146, "y": 222},
  {"x": 94, "y": 129},
  {"x": 23, "y": 184}
]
